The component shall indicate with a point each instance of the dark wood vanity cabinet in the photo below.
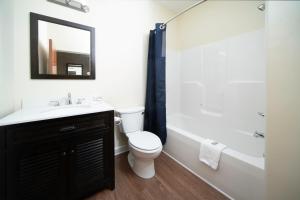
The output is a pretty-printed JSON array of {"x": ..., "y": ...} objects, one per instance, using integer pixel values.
[
  {"x": 59, "y": 159},
  {"x": 2, "y": 164}
]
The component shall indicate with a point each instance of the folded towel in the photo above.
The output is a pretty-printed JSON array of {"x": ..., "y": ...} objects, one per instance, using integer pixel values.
[{"x": 210, "y": 153}]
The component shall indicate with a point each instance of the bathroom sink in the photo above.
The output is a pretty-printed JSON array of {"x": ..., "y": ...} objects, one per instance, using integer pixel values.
[
  {"x": 67, "y": 108},
  {"x": 51, "y": 112}
]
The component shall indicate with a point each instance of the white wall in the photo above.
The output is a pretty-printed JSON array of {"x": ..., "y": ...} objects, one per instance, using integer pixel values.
[
  {"x": 6, "y": 58},
  {"x": 217, "y": 20},
  {"x": 68, "y": 38},
  {"x": 283, "y": 100},
  {"x": 122, "y": 29}
]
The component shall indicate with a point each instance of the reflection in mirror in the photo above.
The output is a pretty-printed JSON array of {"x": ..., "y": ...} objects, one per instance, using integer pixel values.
[
  {"x": 63, "y": 50},
  {"x": 73, "y": 69}
]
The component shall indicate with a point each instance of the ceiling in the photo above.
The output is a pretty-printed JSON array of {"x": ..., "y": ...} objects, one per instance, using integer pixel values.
[{"x": 177, "y": 5}]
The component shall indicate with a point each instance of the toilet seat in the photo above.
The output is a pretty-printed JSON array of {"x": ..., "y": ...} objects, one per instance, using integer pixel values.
[{"x": 145, "y": 141}]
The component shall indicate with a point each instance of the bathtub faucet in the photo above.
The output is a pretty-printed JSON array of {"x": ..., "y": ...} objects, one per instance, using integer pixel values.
[{"x": 258, "y": 134}]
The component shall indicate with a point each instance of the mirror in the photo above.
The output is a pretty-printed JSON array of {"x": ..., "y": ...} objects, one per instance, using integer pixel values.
[{"x": 61, "y": 49}]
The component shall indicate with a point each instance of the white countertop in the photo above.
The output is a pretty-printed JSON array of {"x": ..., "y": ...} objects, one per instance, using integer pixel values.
[{"x": 53, "y": 112}]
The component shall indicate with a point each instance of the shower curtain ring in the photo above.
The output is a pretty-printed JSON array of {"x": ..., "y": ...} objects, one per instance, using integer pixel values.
[{"x": 162, "y": 26}]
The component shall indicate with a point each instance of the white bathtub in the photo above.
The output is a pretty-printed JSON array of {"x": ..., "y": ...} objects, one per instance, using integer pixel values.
[{"x": 241, "y": 172}]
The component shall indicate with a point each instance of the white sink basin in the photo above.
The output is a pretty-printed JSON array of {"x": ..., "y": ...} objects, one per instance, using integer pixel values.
[
  {"x": 51, "y": 112},
  {"x": 67, "y": 108}
]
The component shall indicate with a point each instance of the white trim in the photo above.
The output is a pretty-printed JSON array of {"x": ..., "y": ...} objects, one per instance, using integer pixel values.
[
  {"x": 121, "y": 149},
  {"x": 197, "y": 175}
]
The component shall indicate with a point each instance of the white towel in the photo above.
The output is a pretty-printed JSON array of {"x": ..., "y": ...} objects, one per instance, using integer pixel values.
[{"x": 210, "y": 153}]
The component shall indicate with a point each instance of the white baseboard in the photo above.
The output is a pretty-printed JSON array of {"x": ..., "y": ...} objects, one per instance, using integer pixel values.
[
  {"x": 203, "y": 179},
  {"x": 121, "y": 149}
]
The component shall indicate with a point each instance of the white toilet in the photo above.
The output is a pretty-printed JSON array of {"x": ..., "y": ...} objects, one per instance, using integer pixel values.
[{"x": 144, "y": 146}]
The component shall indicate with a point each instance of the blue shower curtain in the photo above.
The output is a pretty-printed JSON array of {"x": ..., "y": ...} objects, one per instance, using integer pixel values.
[{"x": 155, "y": 106}]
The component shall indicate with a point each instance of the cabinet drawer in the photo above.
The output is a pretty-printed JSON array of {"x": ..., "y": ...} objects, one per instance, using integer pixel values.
[{"x": 54, "y": 127}]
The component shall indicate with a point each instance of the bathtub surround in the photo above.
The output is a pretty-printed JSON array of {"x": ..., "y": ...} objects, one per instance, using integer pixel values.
[
  {"x": 220, "y": 80},
  {"x": 222, "y": 20},
  {"x": 155, "y": 106}
]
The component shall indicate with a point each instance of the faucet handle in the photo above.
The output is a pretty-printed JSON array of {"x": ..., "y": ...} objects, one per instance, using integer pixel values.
[
  {"x": 80, "y": 100},
  {"x": 53, "y": 103},
  {"x": 69, "y": 99}
]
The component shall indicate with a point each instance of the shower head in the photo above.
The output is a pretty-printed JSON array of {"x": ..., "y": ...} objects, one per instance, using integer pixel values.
[{"x": 261, "y": 7}]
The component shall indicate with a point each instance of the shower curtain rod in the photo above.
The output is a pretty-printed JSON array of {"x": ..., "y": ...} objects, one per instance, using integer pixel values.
[{"x": 180, "y": 13}]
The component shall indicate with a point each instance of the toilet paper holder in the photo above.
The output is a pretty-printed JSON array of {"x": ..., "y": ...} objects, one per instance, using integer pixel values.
[{"x": 118, "y": 120}]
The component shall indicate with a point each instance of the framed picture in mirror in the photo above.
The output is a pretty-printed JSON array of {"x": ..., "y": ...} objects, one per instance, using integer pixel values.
[
  {"x": 74, "y": 69},
  {"x": 61, "y": 49}
]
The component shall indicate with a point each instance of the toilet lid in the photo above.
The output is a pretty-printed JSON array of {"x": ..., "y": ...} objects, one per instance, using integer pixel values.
[{"x": 145, "y": 141}]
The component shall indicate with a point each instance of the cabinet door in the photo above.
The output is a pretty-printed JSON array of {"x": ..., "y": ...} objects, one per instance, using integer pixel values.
[
  {"x": 35, "y": 171},
  {"x": 88, "y": 163},
  {"x": 2, "y": 163}
]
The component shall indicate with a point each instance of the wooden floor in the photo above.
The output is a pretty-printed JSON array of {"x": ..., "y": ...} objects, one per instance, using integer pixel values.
[{"x": 171, "y": 182}]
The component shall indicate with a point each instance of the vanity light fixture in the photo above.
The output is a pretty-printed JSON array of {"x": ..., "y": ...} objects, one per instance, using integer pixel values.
[{"x": 80, "y": 5}]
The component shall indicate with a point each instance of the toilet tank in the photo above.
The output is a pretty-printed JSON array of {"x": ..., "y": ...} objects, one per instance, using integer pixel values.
[{"x": 132, "y": 119}]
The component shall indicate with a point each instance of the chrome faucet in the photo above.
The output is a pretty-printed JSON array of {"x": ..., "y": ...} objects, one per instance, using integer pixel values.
[
  {"x": 69, "y": 99},
  {"x": 258, "y": 134}
]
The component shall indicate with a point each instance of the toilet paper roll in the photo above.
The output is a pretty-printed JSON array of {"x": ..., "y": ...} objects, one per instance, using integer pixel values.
[{"x": 118, "y": 120}]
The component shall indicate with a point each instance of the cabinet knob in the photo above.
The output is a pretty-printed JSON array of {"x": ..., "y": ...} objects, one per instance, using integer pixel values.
[
  {"x": 64, "y": 153},
  {"x": 72, "y": 151}
]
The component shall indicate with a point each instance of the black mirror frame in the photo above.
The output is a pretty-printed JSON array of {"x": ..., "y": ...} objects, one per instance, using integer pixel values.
[{"x": 34, "y": 47}]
